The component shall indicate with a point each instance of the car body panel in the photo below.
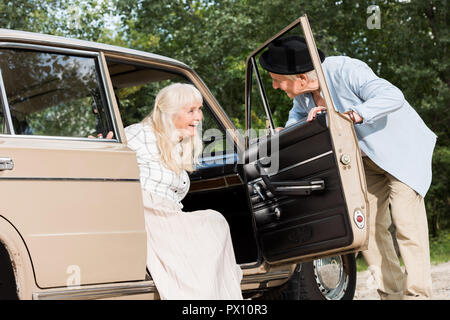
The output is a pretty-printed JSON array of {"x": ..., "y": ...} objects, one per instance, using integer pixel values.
[{"x": 77, "y": 211}]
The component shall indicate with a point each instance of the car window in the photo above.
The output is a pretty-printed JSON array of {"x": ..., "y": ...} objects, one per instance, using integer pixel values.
[
  {"x": 216, "y": 141},
  {"x": 258, "y": 118},
  {"x": 265, "y": 91},
  {"x": 54, "y": 94},
  {"x": 136, "y": 86}
]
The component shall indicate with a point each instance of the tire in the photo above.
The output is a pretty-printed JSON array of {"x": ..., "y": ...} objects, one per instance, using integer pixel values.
[
  {"x": 7, "y": 282},
  {"x": 332, "y": 278}
]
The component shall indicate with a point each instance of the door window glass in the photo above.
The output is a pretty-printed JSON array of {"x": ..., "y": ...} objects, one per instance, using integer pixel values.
[{"x": 52, "y": 94}]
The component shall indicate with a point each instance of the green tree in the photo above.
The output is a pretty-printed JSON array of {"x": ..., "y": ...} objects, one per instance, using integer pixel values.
[{"x": 81, "y": 19}]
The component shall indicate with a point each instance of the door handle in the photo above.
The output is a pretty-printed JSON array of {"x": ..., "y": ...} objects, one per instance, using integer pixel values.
[
  {"x": 6, "y": 164},
  {"x": 297, "y": 188}
]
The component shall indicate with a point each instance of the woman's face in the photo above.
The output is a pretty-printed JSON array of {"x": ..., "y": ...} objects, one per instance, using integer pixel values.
[{"x": 188, "y": 118}]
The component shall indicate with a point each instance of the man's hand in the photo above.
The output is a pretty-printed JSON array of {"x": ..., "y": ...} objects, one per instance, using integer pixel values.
[
  {"x": 279, "y": 129},
  {"x": 313, "y": 113},
  {"x": 354, "y": 116}
]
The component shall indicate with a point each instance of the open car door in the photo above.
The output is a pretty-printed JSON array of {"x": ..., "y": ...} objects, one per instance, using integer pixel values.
[{"x": 306, "y": 183}]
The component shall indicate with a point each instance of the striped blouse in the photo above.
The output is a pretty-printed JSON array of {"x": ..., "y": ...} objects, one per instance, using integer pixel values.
[{"x": 154, "y": 176}]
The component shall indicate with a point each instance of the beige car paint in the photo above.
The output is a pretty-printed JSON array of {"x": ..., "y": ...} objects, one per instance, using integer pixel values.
[
  {"x": 75, "y": 203},
  {"x": 347, "y": 153}
]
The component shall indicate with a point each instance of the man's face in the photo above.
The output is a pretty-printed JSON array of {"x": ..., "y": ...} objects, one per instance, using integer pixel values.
[{"x": 293, "y": 87}]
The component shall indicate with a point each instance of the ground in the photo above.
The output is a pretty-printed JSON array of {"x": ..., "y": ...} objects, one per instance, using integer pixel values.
[{"x": 440, "y": 275}]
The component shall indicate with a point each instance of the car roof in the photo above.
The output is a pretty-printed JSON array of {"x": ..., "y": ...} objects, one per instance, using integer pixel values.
[{"x": 50, "y": 40}]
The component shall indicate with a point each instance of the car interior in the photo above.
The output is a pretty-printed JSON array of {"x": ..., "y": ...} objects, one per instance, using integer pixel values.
[{"x": 218, "y": 178}]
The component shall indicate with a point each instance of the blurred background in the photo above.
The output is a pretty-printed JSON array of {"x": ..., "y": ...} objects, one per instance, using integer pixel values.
[{"x": 405, "y": 42}]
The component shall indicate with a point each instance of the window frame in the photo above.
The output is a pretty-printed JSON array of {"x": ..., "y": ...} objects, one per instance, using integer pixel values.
[
  {"x": 251, "y": 68},
  {"x": 7, "y": 120},
  {"x": 102, "y": 82},
  {"x": 185, "y": 76}
]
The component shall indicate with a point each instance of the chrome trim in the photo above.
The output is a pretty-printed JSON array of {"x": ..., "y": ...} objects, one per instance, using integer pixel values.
[
  {"x": 315, "y": 185},
  {"x": 77, "y": 293},
  {"x": 264, "y": 277},
  {"x": 58, "y": 138},
  {"x": 21, "y": 36},
  {"x": 72, "y": 234},
  {"x": 146, "y": 287},
  {"x": 263, "y": 96},
  {"x": 37, "y": 47},
  {"x": 6, "y": 164},
  {"x": 101, "y": 82},
  {"x": 108, "y": 96},
  {"x": 301, "y": 163},
  {"x": 329, "y": 287},
  {"x": 5, "y": 105},
  {"x": 249, "y": 265}
]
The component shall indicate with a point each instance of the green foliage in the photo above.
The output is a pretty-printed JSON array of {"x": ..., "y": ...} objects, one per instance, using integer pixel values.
[
  {"x": 70, "y": 119},
  {"x": 438, "y": 197},
  {"x": 440, "y": 248},
  {"x": 82, "y": 19}
]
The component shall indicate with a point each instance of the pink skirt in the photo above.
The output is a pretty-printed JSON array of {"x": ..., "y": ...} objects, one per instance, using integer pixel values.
[{"x": 190, "y": 254}]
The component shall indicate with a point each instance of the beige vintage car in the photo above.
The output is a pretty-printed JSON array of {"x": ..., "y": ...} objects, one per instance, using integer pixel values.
[{"x": 71, "y": 213}]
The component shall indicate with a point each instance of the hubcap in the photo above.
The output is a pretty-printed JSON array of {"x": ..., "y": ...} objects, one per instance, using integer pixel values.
[{"x": 331, "y": 278}]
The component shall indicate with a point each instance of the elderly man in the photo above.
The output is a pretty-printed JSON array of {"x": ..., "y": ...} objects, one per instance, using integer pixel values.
[{"x": 397, "y": 148}]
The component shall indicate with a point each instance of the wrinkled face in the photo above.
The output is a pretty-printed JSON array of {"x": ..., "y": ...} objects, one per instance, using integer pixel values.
[
  {"x": 291, "y": 87},
  {"x": 188, "y": 118}
]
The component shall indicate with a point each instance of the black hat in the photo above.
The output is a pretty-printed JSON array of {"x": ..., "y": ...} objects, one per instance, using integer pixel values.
[{"x": 288, "y": 55}]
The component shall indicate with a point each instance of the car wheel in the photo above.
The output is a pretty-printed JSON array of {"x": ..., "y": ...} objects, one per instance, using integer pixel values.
[
  {"x": 331, "y": 278},
  {"x": 7, "y": 282}
]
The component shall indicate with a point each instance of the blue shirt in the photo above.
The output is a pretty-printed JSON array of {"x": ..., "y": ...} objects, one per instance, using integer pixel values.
[{"x": 391, "y": 134}]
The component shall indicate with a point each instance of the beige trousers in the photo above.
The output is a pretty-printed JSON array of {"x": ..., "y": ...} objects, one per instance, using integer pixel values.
[{"x": 409, "y": 217}]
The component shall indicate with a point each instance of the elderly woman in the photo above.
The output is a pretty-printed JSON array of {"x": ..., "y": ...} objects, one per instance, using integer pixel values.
[{"x": 189, "y": 254}]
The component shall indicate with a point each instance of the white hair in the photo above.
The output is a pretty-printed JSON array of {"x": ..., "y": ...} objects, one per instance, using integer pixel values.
[
  {"x": 312, "y": 75},
  {"x": 168, "y": 101}
]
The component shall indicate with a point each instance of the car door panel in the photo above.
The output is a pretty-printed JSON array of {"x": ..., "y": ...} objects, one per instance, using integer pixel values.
[
  {"x": 76, "y": 201},
  {"x": 306, "y": 183},
  {"x": 73, "y": 211},
  {"x": 306, "y": 223}
]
